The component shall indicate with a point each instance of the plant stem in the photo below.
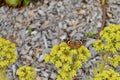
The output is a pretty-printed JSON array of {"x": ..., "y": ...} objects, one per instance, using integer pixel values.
[
  {"x": 103, "y": 19},
  {"x": 105, "y": 59},
  {"x": 3, "y": 75}
]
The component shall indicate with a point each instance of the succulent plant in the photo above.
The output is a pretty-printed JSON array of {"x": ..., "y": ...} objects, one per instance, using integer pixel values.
[
  {"x": 26, "y": 73},
  {"x": 67, "y": 60},
  {"x": 26, "y": 2},
  {"x": 17, "y": 3},
  {"x": 110, "y": 39},
  {"x": 13, "y": 3},
  {"x": 7, "y": 56},
  {"x": 108, "y": 46},
  {"x": 108, "y": 75}
]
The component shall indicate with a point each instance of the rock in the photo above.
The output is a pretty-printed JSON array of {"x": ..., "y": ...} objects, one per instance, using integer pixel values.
[
  {"x": 118, "y": 69},
  {"x": 53, "y": 75},
  {"x": 90, "y": 42},
  {"x": 14, "y": 70},
  {"x": 45, "y": 74},
  {"x": 55, "y": 42},
  {"x": 38, "y": 78},
  {"x": 44, "y": 78},
  {"x": 41, "y": 58},
  {"x": 45, "y": 41},
  {"x": 109, "y": 15},
  {"x": 41, "y": 12},
  {"x": 34, "y": 32}
]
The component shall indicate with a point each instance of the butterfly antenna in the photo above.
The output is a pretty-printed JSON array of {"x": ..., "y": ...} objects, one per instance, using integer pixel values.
[{"x": 68, "y": 34}]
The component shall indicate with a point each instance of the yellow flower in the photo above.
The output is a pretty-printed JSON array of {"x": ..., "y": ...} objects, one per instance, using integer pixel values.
[
  {"x": 47, "y": 58},
  {"x": 107, "y": 75},
  {"x": 66, "y": 67},
  {"x": 59, "y": 78},
  {"x": 84, "y": 51},
  {"x": 117, "y": 45},
  {"x": 67, "y": 60},
  {"x": 7, "y": 54},
  {"x": 73, "y": 51},
  {"x": 115, "y": 61},
  {"x": 62, "y": 73},
  {"x": 110, "y": 39},
  {"x": 58, "y": 64},
  {"x": 73, "y": 73},
  {"x": 99, "y": 45},
  {"x": 26, "y": 73}
]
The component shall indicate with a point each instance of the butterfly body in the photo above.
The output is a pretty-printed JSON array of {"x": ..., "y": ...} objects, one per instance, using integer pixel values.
[{"x": 75, "y": 44}]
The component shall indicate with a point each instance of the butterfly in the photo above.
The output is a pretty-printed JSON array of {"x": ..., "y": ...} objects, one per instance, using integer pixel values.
[{"x": 73, "y": 44}]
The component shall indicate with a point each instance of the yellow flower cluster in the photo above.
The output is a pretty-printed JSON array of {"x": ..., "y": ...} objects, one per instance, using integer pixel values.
[
  {"x": 107, "y": 75},
  {"x": 26, "y": 73},
  {"x": 110, "y": 39},
  {"x": 115, "y": 61},
  {"x": 67, "y": 60},
  {"x": 7, "y": 54}
]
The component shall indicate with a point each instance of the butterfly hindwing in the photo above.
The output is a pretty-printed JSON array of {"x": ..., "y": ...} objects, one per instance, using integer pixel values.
[
  {"x": 78, "y": 44},
  {"x": 75, "y": 44}
]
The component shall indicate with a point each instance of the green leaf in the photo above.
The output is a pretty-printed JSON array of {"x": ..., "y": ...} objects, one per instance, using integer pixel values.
[
  {"x": 13, "y": 3},
  {"x": 26, "y": 2},
  {"x": 91, "y": 34},
  {"x": 29, "y": 31}
]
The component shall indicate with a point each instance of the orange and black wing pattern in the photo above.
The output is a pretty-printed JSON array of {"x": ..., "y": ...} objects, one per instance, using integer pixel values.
[{"x": 75, "y": 44}]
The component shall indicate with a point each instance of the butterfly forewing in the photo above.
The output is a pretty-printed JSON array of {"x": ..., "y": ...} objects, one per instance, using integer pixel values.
[
  {"x": 78, "y": 44},
  {"x": 74, "y": 44},
  {"x": 71, "y": 44}
]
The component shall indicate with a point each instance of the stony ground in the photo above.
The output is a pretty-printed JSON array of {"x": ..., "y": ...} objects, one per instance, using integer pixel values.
[{"x": 37, "y": 28}]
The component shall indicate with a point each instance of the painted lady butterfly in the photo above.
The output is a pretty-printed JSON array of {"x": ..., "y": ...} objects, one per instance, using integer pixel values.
[{"x": 73, "y": 44}]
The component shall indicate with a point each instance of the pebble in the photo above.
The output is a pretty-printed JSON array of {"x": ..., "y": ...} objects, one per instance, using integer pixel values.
[
  {"x": 41, "y": 12},
  {"x": 45, "y": 74},
  {"x": 44, "y": 78},
  {"x": 41, "y": 58},
  {"x": 34, "y": 32},
  {"x": 53, "y": 75},
  {"x": 118, "y": 69},
  {"x": 14, "y": 70},
  {"x": 45, "y": 41},
  {"x": 90, "y": 42}
]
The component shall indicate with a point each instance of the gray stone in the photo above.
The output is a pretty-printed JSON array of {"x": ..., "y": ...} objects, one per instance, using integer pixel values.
[
  {"x": 90, "y": 42},
  {"x": 41, "y": 12},
  {"x": 14, "y": 70},
  {"x": 41, "y": 58},
  {"x": 53, "y": 75},
  {"x": 45, "y": 74}
]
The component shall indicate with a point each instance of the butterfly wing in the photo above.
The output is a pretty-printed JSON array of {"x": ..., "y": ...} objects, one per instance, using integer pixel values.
[
  {"x": 78, "y": 44},
  {"x": 71, "y": 44},
  {"x": 74, "y": 44}
]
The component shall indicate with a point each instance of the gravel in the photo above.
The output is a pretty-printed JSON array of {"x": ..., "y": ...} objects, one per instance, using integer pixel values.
[{"x": 37, "y": 28}]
